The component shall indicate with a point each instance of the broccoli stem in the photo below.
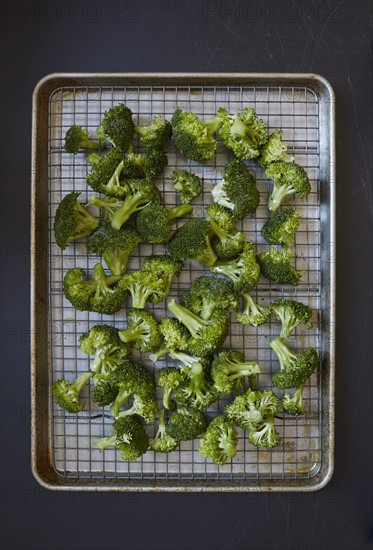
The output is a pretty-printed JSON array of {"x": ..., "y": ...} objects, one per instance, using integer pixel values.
[
  {"x": 97, "y": 362},
  {"x": 193, "y": 323},
  {"x": 161, "y": 424},
  {"x": 109, "y": 204},
  {"x": 238, "y": 128},
  {"x": 140, "y": 331},
  {"x": 105, "y": 442},
  {"x": 208, "y": 257},
  {"x": 88, "y": 144},
  {"x": 139, "y": 295},
  {"x": 226, "y": 442},
  {"x": 102, "y": 280},
  {"x": 81, "y": 381},
  {"x": 285, "y": 356},
  {"x": 115, "y": 259},
  {"x": 157, "y": 355},
  {"x": 237, "y": 370},
  {"x": 184, "y": 358},
  {"x": 119, "y": 401},
  {"x": 93, "y": 158},
  {"x": 130, "y": 205},
  {"x": 86, "y": 222},
  {"x": 229, "y": 269},
  {"x": 208, "y": 309},
  {"x": 278, "y": 194},
  {"x": 212, "y": 124},
  {"x": 179, "y": 211}
]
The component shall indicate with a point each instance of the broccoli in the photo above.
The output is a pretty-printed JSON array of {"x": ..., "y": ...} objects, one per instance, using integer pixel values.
[
  {"x": 109, "y": 206},
  {"x": 275, "y": 265},
  {"x": 288, "y": 178},
  {"x": 186, "y": 424},
  {"x": 226, "y": 243},
  {"x": 109, "y": 350},
  {"x": 175, "y": 337},
  {"x": 295, "y": 368},
  {"x": 66, "y": 393},
  {"x": 263, "y": 434},
  {"x": 156, "y": 135},
  {"x": 115, "y": 246},
  {"x": 245, "y": 133},
  {"x": 192, "y": 242},
  {"x": 142, "y": 330},
  {"x": 274, "y": 150},
  {"x": 164, "y": 268},
  {"x": 169, "y": 378},
  {"x": 251, "y": 408},
  {"x": 293, "y": 405},
  {"x": 237, "y": 191},
  {"x": 105, "y": 389},
  {"x": 93, "y": 159},
  {"x": 162, "y": 443},
  {"x": 77, "y": 138},
  {"x": 154, "y": 222},
  {"x": 194, "y": 137},
  {"x": 280, "y": 228},
  {"x": 197, "y": 389},
  {"x": 244, "y": 271},
  {"x": 229, "y": 369},
  {"x": 220, "y": 441},
  {"x": 154, "y": 163},
  {"x": 187, "y": 360},
  {"x": 130, "y": 438},
  {"x": 206, "y": 335},
  {"x": 72, "y": 221},
  {"x": 209, "y": 293},
  {"x": 144, "y": 286},
  {"x": 291, "y": 314},
  {"x": 117, "y": 127},
  {"x": 253, "y": 314},
  {"x": 187, "y": 185}
]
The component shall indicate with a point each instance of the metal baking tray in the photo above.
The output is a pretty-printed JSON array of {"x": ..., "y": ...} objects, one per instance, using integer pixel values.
[{"x": 300, "y": 104}]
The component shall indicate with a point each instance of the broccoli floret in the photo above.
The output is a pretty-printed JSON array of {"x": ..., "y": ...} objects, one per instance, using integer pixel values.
[
  {"x": 109, "y": 206},
  {"x": 194, "y": 137},
  {"x": 295, "y": 368},
  {"x": 197, "y": 389},
  {"x": 253, "y": 314},
  {"x": 229, "y": 369},
  {"x": 130, "y": 438},
  {"x": 251, "y": 408},
  {"x": 169, "y": 378},
  {"x": 186, "y": 424},
  {"x": 94, "y": 158},
  {"x": 244, "y": 271},
  {"x": 164, "y": 268},
  {"x": 192, "y": 242},
  {"x": 275, "y": 265},
  {"x": 115, "y": 246},
  {"x": 78, "y": 290},
  {"x": 144, "y": 286},
  {"x": 187, "y": 185},
  {"x": 175, "y": 337},
  {"x": 220, "y": 441},
  {"x": 237, "y": 191},
  {"x": 156, "y": 135},
  {"x": 142, "y": 330},
  {"x": 103, "y": 341},
  {"x": 72, "y": 221},
  {"x": 263, "y": 434},
  {"x": 280, "y": 228},
  {"x": 245, "y": 133},
  {"x": 139, "y": 194},
  {"x": 206, "y": 335},
  {"x": 117, "y": 127},
  {"x": 291, "y": 314},
  {"x": 288, "y": 178},
  {"x": 105, "y": 389},
  {"x": 293, "y": 405},
  {"x": 274, "y": 150},
  {"x": 66, "y": 393},
  {"x": 209, "y": 293},
  {"x": 162, "y": 443},
  {"x": 227, "y": 243},
  {"x": 187, "y": 360},
  {"x": 154, "y": 163},
  {"x": 77, "y": 138},
  {"x": 154, "y": 222}
]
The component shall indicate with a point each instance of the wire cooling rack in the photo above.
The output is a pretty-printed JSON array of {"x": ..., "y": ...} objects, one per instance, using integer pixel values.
[{"x": 296, "y": 111}]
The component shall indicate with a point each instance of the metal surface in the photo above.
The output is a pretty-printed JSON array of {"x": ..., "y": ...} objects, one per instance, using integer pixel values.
[{"x": 301, "y": 105}]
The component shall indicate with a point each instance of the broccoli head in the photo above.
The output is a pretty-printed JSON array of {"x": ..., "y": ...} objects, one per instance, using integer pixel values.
[
  {"x": 275, "y": 265},
  {"x": 274, "y": 150},
  {"x": 66, "y": 393},
  {"x": 155, "y": 135},
  {"x": 103, "y": 341},
  {"x": 280, "y": 228},
  {"x": 245, "y": 133},
  {"x": 220, "y": 441},
  {"x": 117, "y": 127},
  {"x": 289, "y": 178},
  {"x": 144, "y": 286},
  {"x": 227, "y": 242},
  {"x": 192, "y": 242},
  {"x": 264, "y": 434},
  {"x": 142, "y": 330},
  {"x": 229, "y": 369},
  {"x": 244, "y": 271},
  {"x": 104, "y": 390},
  {"x": 169, "y": 378},
  {"x": 196, "y": 390},
  {"x": 293, "y": 405},
  {"x": 194, "y": 137},
  {"x": 162, "y": 443},
  {"x": 253, "y": 314},
  {"x": 295, "y": 368},
  {"x": 291, "y": 313},
  {"x": 130, "y": 438},
  {"x": 77, "y": 138},
  {"x": 187, "y": 185},
  {"x": 252, "y": 408},
  {"x": 175, "y": 337},
  {"x": 154, "y": 222},
  {"x": 154, "y": 163},
  {"x": 209, "y": 293},
  {"x": 186, "y": 424},
  {"x": 72, "y": 221}
]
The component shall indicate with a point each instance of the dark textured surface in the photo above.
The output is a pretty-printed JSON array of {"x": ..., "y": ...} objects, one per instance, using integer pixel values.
[{"x": 330, "y": 38}]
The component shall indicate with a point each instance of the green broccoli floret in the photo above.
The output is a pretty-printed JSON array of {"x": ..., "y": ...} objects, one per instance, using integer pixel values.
[
  {"x": 94, "y": 159},
  {"x": 154, "y": 222},
  {"x": 263, "y": 434},
  {"x": 229, "y": 369},
  {"x": 209, "y": 293},
  {"x": 288, "y": 178},
  {"x": 206, "y": 335},
  {"x": 274, "y": 150},
  {"x": 66, "y": 393},
  {"x": 169, "y": 378},
  {"x": 227, "y": 242},
  {"x": 245, "y": 133},
  {"x": 237, "y": 191},
  {"x": 115, "y": 246},
  {"x": 77, "y": 138},
  {"x": 162, "y": 443},
  {"x": 197, "y": 389},
  {"x": 220, "y": 441},
  {"x": 105, "y": 389},
  {"x": 194, "y": 137},
  {"x": 275, "y": 265},
  {"x": 144, "y": 286},
  {"x": 251, "y": 408},
  {"x": 186, "y": 424},
  {"x": 155, "y": 135},
  {"x": 280, "y": 228},
  {"x": 130, "y": 438},
  {"x": 295, "y": 368},
  {"x": 72, "y": 221},
  {"x": 253, "y": 314},
  {"x": 164, "y": 268},
  {"x": 117, "y": 127},
  {"x": 175, "y": 337},
  {"x": 109, "y": 205},
  {"x": 244, "y": 271},
  {"x": 192, "y": 242},
  {"x": 187, "y": 185},
  {"x": 103, "y": 341},
  {"x": 293, "y": 405},
  {"x": 291, "y": 314},
  {"x": 142, "y": 330},
  {"x": 187, "y": 360},
  {"x": 154, "y": 163}
]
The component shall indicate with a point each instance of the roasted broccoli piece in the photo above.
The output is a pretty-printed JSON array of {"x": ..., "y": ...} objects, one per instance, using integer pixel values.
[
  {"x": 169, "y": 378},
  {"x": 245, "y": 133},
  {"x": 194, "y": 137},
  {"x": 253, "y": 314},
  {"x": 274, "y": 150},
  {"x": 264, "y": 434},
  {"x": 130, "y": 438},
  {"x": 196, "y": 390},
  {"x": 244, "y": 271},
  {"x": 209, "y": 293},
  {"x": 275, "y": 265},
  {"x": 155, "y": 135},
  {"x": 77, "y": 138},
  {"x": 187, "y": 185},
  {"x": 220, "y": 441},
  {"x": 192, "y": 242},
  {"x": 186, "y": 424},
  {"x": 144, "y": 285},
  {"x": 103, "y": 341},
  {"x": 252, "y": 408},
  {"x": 117, "y": 127},
  {"x": 66, "y": 393},
  {"x": 295, "y": 368},
  {"x": 227, "y": 241},
  {"x": 237, "y": 191},
  {"x": 142, "y": 330},
  {"x": 280, "y": 228},
  {"x": 154, "y": 163},
  {"x": 229, "y": 369},
  {"x": 291, "y": 314},
  {"x": 175, "y": 337},
  {"x": 154, "y": 222},
  {"x": 288, "y": 178},
  {"x": 72, "y": 221},
  {"x": 162, "y": 443},
  {"x": 293, "y": 405}
]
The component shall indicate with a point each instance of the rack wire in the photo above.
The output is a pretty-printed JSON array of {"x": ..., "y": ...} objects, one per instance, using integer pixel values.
[{"x": 296, "y": 111}]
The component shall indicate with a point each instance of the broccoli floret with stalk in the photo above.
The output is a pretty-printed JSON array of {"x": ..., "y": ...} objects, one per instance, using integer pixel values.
[
  {"x": 66, "y": 393},
  {"x": 293, "y": 405},
  {"x": 162, "y": 443},
  {"x": 209, "y": 293},
  {"x": 295, "y": 368},
  {"x": 197, "y": 389},
  {"x": 274, "y": 150},
  {"x": 253, "y": 314},
  {"x": 289, "y": 179},
  {"x": 245, "y": 133},
  {"x": 237, "y": 191},
  {"x": 72, "y": 221},
  {"x": 291, "y": 313},
  {"x": 264, "y": 434},
  {"x": 194, "y": 137},
  {"x": 243, "y": 271},
  {"x": 164, "y": 268},
  {"x": 186, "y": 424},
  {"x": 192, "y": 242},
  {"x": 252, "y": 407},
  {"x": 155, "y": 135},
  {"x": 169, "y": 378},
  {"x": 154, "y": 222},
  {"x": 229, "y": 369},
  {"x": 280, "y": 228},
  {"x": 144, "y": 286},
  {"x": 108, "y": 205},
  {"x": 117, "y": 127},
  {"x": 142, "y": 330},
  {"x": 175, "y": 337},
  {"x": 103, "y": 341},
  {"x": 275, "y": 265},
  {"x": 227, "y": 243},
  {"x": 130, "y": 438},
  {"x": 77, "y": 138},
  {"x": 187, "y": 185},
  {"x": 220, "y": 441},
  {"x": 187, "y": 360},
  {"x": 154, "y": 163}
]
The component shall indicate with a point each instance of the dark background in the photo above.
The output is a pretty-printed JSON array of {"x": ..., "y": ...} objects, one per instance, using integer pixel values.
[{"x": 333, "y": 39}]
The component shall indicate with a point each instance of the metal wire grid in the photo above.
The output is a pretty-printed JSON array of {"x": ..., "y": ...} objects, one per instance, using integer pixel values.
[{"x": 296, "y": 111}]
